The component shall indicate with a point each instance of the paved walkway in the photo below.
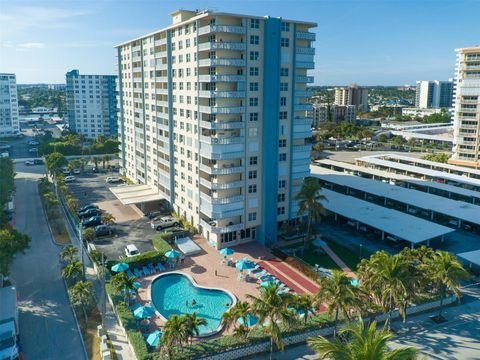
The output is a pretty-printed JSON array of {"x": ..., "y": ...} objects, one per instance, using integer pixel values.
[{"x": 339, "y": 262}]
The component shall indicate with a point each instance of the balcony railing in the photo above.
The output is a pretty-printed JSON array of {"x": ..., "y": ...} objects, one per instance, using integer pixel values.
[
  {"x": 160, "y": 42},
  {"x": 305, "y": 50},
  {"x": 221, "y": 62},
  {"x": 304, "y": 79},
  {"x": 305, "y": 35},
  {"x": 221, "y": 94},
  {"x": 302, "y": 107},
  {"x": 303, "y": 93},
  {"x": 221, "y": 78},
  {"x": 222, "y": 141},
  {"x": 303, "y": 121},
  {"x": 221, "y": 155},
  {"x": 221, "y": 29},
  {"x": 221, "y": 186},
  {"x": 305, "y": 64},
  {"x": 224, "y": 170},
  {"x": 220, "y": 45},
  {"x": 222, "y": 125},
  {"x": 221, "y": 200},
  {"x": 222, "y": 109},
  {"x": 302, "y": 148},
  {"x": 221, "y": 229}
]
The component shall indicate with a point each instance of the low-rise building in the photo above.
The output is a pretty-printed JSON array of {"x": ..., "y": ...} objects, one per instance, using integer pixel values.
[
  {"x": 333, "y": 113},
  {"x": 420, "y": 112}
]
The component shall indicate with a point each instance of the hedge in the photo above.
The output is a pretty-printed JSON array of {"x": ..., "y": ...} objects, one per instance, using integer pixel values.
[
  {"x": 161, "y": 242},
  {"x": 141, "y": 260}
]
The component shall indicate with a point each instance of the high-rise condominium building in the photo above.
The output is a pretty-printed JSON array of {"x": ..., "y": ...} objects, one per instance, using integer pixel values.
[
  {"x": 466, "y": 141},
  {"x": 334, "y": 113},
  {"x": 434, "y": 94},
  {"x": 352, "y": 95},
  {"x": 212, "y": 114},
  {"x": 9, "y": 123},
  {"x": 92, "y": 104}
]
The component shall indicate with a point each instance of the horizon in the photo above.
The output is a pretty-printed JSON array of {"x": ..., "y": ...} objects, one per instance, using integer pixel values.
[{"x": 370, "y": 43}]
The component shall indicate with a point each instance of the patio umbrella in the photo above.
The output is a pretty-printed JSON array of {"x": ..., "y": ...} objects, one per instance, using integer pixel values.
[
  {"x": 172, "y": 254},
  {"x": 226, "y": 251},
  {"x": 137, "y": 284},
  {"x": 154, "y": 337},
  {"x": 267, "y": 283},
  {"x": 250, "y": 320},
  {"x": 244, "y": 265},
  {"x": 319, "y": 243},
  {"x": 119, "y": 267},
  {"x": 354, "y": 282},
  {"x": 144, "y": 312}
]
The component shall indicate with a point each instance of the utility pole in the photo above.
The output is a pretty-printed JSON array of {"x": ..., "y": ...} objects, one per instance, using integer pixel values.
[
  {"x": 104, "y": 293},
  {"x": 80, "y": 238}
]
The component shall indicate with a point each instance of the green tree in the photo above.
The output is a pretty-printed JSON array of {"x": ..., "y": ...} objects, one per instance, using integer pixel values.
[
  {"x": 241, "y": 309},
  {"x": 98, "y": 257},
  {"x": 338, "y": 293},
  {"x": 437, "y": 157},
  {"x": 55, "y": 161},
  {"x": 105, "y": 159},
  {"x": 69, "y": 254},
  {"x": 310, "y": 203},
  {"x": 95, "y": 161},
  {"x": 7, "y": 185},
  {"x": 305, "y": 303},
  {"x": 73, "y": 271},
  {"x": 193, "y": 323},
  {"x": 363, "y": 343},
  {"x": 89, "y": 235},
  {"x": 174, "y": 334},
  {"x": 108, "y": 219},
  {"x": 81, "y": 295},
  {"x": 382, "y": 138},
  {"x": 122, "y": 284},
  {"x": 11, "y": 243}
]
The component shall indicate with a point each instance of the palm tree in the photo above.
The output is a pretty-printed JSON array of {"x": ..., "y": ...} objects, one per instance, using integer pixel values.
[
  {"x": 121, "y": 283},
  {"x": 309, "y": 201},
  {"x": 105, "y": 159},
  {"x": 446, "y": 272},
  {"x": 81, "y": 295},
  {"x": 192, "y": 323},
  {"x": 363, "y": 343},
  {"x": 95, "y": 161},
  {"x": 68, "y": 254},
  {"x": 108, "y": 219},
  {"x": 72, "y": 203},
  {"x": 174, "y": 334},
  {"x": 339, "y": 294},
  {"x": 305, "y": 303},
  {"x": 271, "y": 308},
  {"x": 73, "y": 271}
]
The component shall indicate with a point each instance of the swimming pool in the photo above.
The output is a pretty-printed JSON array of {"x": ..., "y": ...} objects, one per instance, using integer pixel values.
[{"x": 173, "y": 292}]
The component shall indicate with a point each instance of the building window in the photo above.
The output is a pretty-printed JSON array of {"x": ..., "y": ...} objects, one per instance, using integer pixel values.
[
  {"x": 253, "y": 132},
  {"x": 283, "y": 101},
  {"x": 283, "y": 86},
  {"x": 282, "y": 143},
  {"x": 283, "y": 157},
  {"x": 254, "y": 39},
  {"x": 283, "y": 71},
  {"x": 283, "y": 115},
  {"x": 253, "y": 116},
  {"x": 254, "y": 24},
  {"x": 284, "y": 42},
  {"x": 254, "y": 86},
  {"x": 253, "y": 160},
  {"x": 252, "y": 174},
  {"x": 253, "y": 101},
  {"x": 252, "y": 189},
  {"x": 254, "y": 71},
  {"x": 285, "y": 26},
  {"x": 254, "y": 55},
  {"x": 281, "y": 210},
  {"x": 282, "y": 184},
  {"x": 281, "y": 197},
  {"x": 252, "y": 216}
]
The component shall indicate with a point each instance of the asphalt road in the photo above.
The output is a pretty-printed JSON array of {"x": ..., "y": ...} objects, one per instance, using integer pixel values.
[{"x": 47, "y": 326}]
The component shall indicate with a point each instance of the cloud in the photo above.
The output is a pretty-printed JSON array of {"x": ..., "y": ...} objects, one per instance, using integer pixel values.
[{"x": 32, "y": 45}]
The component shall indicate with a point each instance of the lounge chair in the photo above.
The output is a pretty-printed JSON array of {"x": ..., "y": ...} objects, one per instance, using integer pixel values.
[
  {"x": 135, "y": 306},
  {"x": 160, "y": 267},
  {"x": 146, "y": 271},
  {"x": 152, "y": 268},
  {"x": 267, "y": 276},
  {"x": 137, "y": 273},
  {"x": 261, "y": 273},
  {"x": 130, "y": 274}
]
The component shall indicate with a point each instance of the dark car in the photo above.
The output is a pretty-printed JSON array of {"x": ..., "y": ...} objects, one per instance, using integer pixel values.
[
  {"x": 89, "y": 213},
  {"x": 103, "y": 230},
  {"x": 93, "y": 221},
  {"x": 153, "y": 214},
  {"x": 176, "y": 230},
  {"x": 37, "y": 161},
  {"x": 87, "y": 207}
]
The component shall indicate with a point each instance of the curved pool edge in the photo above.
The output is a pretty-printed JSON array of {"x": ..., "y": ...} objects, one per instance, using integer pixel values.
[{"x": 194, "y": 283}]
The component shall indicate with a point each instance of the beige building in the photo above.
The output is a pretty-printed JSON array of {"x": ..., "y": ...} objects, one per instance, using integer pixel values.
[
  {"x": 337, "y": 113},
  {"x": 212, "y": 117},
  {"x": 466, "y": 148},
  {"x": 352, "y": 95}
]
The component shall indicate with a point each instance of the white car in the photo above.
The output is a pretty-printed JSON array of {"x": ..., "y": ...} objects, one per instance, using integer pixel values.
[
  {"x": 113, "y": 180},
  {"x": 69, "y": 178},
  {"x": 29, "y": 162},
  {"x": 76, "y": 171},
  {"x": 33, "y": 150},
  {"x": 131, "y": 251},
  {"x": 33, "y": 143}
]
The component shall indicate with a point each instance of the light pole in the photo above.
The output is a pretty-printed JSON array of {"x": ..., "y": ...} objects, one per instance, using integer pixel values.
[
  {"x": 361, "y": 251},
  {"x": 80, "y": 238}
]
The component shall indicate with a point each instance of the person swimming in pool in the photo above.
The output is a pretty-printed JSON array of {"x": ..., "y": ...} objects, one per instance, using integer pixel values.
[{"x": 194, "y": 302}]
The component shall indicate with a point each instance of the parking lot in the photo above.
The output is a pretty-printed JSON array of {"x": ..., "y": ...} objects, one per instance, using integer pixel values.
[{"x": 130, "y": 227}]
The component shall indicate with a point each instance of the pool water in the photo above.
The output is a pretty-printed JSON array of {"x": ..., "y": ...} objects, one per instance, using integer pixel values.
[{"x": 173, "y": 294}]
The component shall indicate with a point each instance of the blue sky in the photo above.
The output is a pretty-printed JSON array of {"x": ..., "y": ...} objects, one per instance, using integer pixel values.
[{"x": 376, "y": 42}]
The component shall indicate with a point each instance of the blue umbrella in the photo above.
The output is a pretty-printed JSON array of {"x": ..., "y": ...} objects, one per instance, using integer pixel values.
[
  {"x": 355, "y": 282},
  {"x": 226, "y": 251},
  {"x": 244, "y": 264},
  {"x": 267, "y": 283},
  {"x": 144, "y": 312},
  {"x": 119, "y": 267},
  {"x": 319, "y": 243},
  {"x": 250, "y": 320},
  {"x": 137, "y": 284},
  {"x": 172, "y": 254},
  {"x": 154, "y": 337}
]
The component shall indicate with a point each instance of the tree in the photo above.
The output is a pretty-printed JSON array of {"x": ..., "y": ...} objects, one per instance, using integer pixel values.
[
  {"x": 412, "y": 142},
  {"x": 81, "y": 295},
  {"x": 50, "y": 199},
  {"x": 363, "y": 343},
  {"x": 89, "y": 235},
  {"x": 305, "y": 303},
  {"x": 69, "y": 253},
  {"x": 72, "y": 203},
  {"x": 11, "y": 242},
  {"x": 55, "y": 161},
  {"x": 240, "y": 310},
  {"x": 73, "y": 271},
  {"x": 108, "y": 219},
  {"x": 309, "y": 201},
  {"x": 95, "y": 161},
  {"x": 122, "y": 284},
  {"x": 105, "y": 159},
  {"x": 193, "y": 322},
  {"x": 446, "y": 272},
  {"x": 271, "y": 308},
  {"x": 338, "y": 293},
  {"x": 98, "y": 257},
  {"x": 382, "y": 138},
  {"x": 437, "y": 157},
  {"x": 174, "y": 334}
]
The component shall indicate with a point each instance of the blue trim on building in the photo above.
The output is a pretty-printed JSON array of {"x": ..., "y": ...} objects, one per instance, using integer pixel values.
[
  {"x": 270, "y": 133},
  {"x": 292, "y": 119},
  {"x": 122, "y": 118},
  {"x": 145, "y": 175},
  {"x": 170, "y": 120}
]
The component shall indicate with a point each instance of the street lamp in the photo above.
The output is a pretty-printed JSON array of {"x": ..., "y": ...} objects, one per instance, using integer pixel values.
[{"x": 361, "y": 250}]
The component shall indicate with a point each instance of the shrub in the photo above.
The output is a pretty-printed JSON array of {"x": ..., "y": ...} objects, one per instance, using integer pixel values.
[
  {"x": 89, "y": 235},
  {"x": 140, "y": 260},
  {"x": 161, "y": 242}
]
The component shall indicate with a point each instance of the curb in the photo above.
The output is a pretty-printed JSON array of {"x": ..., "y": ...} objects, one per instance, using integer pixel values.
[{"x": 47, "y": 220}]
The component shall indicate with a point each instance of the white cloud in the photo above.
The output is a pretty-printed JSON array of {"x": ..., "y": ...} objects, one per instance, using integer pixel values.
[{"x": 33, "y": 45}]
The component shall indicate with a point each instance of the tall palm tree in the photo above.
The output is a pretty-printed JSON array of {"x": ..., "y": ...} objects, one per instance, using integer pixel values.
[
  {"x": 69, "y": 253},
  {"x": 364, "y": 343},
  {"x": 174, "y": 334},
  {"x": 339, "y": 294},
  {"x": 271, "y": 308},
  {"x": 305, "y": 303},
  {"x": 108, "y": 219},
  {"x": 446, "y": 272},
  {"x": 105, "y": 159},
  {"x": 73, "y": 271},
  {"x": 193, "y": 322},
  {"x": 310, "y": 201},
  {"x": 95, "y": 161},
  {"x": 121, "y": 283},
  {"x": 81, "y": 295}
]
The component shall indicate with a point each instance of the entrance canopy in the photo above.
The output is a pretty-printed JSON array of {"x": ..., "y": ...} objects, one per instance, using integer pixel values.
[{"x": 135, "y": 194}]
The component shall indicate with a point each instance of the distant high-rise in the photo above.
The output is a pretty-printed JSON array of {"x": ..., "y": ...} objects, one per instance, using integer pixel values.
[
  {"x": 352, "y": 95},
  {"x": 466, "y": 141},
  {"x": 335, "y": 113},
  {"x": 91, "y": 104},
  {"x": 9, "y": 123},
  {"x": 434, "y": 94}
]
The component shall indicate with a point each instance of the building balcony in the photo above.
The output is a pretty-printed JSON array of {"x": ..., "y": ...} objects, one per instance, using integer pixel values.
[
  {"x": 221, "y": 211},
  {"x": 162, "y": 103},
  {"x": 302, "y": 148},
  {"x": 221, "y": 200},
  {"x": 163, "y": 79},
  {"x": 221, "y": 62},
  {"x": 221, "y": 94},
  {"x": 213, "y": 228},
  {"x": 302, "y": 134},
  {"x": 221, "y": 29},
  {"x": 302, "y": 107},
  {"x": 160, "y": 55},
  {"x": 305, "y": 64},
  {"x": 161, "y": 66},
  {"x": 222, "y": 125},
  {"x": 219, "y": 45},
  {"x": 304, "y": 79},
  {"x": 221, "y": 170},
  {"x": 222, "y": 141},
  {"x": 221, "y": 78},
  {"x": 305, "y": 50},
  {"x": 161, "y": 91},
  {"x": 221, "y": 152},
  {"x": 222, "y": 109},
  {"x": 160, "y": 42},
  {"x": 303, "y": 93},
  {"x": 305, "y": 35},
  {"x": 303, "y": 121},
  {"x": 221, "y": 186}
]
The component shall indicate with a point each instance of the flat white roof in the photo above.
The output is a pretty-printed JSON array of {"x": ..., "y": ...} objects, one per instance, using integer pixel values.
[
  {"x": 135, "y": 194},
  {"x": 187, "y": 246},
  {"x": 471, "y": 256},
  {"x": 388, "y": 220},
  {"x": 420, "y": 170},
  {"x": 414, "y": 181},
  {"x": 440, "y": 205}
]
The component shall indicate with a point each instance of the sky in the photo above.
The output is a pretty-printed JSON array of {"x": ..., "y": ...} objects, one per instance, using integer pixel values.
[{"x": 374, "y": 42}]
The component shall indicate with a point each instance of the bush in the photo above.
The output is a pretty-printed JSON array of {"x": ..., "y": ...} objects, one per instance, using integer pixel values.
[
  {"x": 161, "y": 242},
  {"x": 140, "y": 260}
]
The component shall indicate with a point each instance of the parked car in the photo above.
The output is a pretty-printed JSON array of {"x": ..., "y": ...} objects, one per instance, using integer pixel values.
[
  {"x": 164, "y": 223},
  {"x": 38, "y": 161},
  {"x": 176, "y": 231},
  {"x": 76, "y": 171},
  {"x": 69, "y": 178},
  {"x": 103, "y": 230},
  {"x": 33, "y": 143},
  {"x": 113, "y": 180},
  {"x": 86, "y": 207},
  {"x": 65, "y": 171},
  {"x": 33, "y": 150},
  {"x": 93, "y": 221},
  {"x": 29, "y": 162},
  {"x": 131, "y": 251},
  {"x": 89, "y": 213},
  {"x": 153, "y": 214}
]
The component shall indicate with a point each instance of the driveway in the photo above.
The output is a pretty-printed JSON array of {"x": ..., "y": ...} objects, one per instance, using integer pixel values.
[{"x": 47, "y": 327}]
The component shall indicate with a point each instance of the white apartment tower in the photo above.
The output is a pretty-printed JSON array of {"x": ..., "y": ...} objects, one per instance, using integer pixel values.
[
  {"x": 466, "y": 142},
  {"x": 434, "y": 94},
  {"x": 212, "y": 115},
  {"x": 352, "y": 95},
  {"x": 9, "y": 122}
]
